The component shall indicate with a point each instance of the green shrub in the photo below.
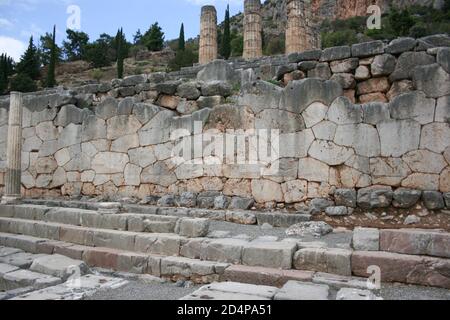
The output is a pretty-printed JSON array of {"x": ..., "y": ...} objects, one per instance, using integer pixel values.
[{"x": 22, "y": 83}]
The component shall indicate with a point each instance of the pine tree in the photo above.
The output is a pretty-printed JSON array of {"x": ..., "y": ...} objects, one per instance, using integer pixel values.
[
  {"x": 226, "y": 38},
  {"x": 6, "y": 70},
  {"x": 120, "y": 50},
  {"x": 29, "y": 63},
  {"x": 153, "y": 39},
  {"x": 51, "y": 79},
  {"x": 181, "y": 41},
  {"x": 137, "y": 38}
]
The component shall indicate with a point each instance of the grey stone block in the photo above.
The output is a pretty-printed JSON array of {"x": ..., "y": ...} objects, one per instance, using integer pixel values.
[
  {"x": 58, "y": 266},
  {"x": 367, "y": 49},
  {"x": 401, "y": 45},
  {"x": 192, "y": 228},
  {"x": 269, "y": 254},
  {"x": 295, "y": 290},
  {"x": 433, "y": 200},
  {"x": 366, "y": 239},
  {"x": 224, "y": 250},
  {"x": 337, "y": 211},
  {"x": 375, "y": 197},
  {"x": 406, "y": 198},
  {"x": 336, "y": 53},
  {"x": 238, "y": 203},
  {"x": 345, "y": 197},
  {"x": 329, "y": 260},
  {"x": 356, "y": 294}
]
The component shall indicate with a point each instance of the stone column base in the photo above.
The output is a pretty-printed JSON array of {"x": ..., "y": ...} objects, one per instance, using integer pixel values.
[{"x": 11, "y": 199}]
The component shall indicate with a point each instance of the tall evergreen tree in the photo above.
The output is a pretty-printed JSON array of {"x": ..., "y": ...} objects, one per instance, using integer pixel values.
[
  {"x": 29, "y": 63},
  {"x": 120, "y": 53},
  {"x": 6, "y": 69},
  {"x": 137, "y": 38},
  {"x": 153, "y": 39},
  {"x": 226, "y": 38},
  {"x": 75, "y": 46},
  {"x": 51, "y": 78},
  {"x": 181, "y": 40},
  {"x": 45, "y": 49}
]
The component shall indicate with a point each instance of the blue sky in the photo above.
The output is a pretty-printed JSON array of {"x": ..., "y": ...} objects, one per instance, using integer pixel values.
[{"x": 19, "y": 19}]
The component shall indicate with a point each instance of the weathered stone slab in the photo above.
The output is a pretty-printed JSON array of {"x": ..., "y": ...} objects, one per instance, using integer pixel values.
[
  {"x": 264, "y": 276},
  {"x": 295, "y": 290},
  {"x": 269, "y": 254},
  {"x": 329, "y": 260},
  {"x": 366, "y": 239},
  {"x": 403, "y": 268},
  {"x": 58, "y": 266},
  {"x": 416, "y": 242}
]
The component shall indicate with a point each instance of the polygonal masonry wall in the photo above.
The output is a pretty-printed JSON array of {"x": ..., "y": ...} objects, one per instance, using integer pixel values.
[{"x": 115, "y": 138}]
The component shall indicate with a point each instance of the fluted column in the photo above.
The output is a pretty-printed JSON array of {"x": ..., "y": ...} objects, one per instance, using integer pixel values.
[
  {"x": 295, "y": 30},
  {"x": 252, "y": 29},
  {"x": 208, "y": 35},
  {"x": 14, "y": 149}
]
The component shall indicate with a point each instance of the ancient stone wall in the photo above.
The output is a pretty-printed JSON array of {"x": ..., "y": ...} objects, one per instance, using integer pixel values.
[{"x": 117, "y": 138}]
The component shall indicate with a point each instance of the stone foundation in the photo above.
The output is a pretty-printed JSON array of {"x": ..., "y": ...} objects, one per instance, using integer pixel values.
[{"x": 114, "y": 139}]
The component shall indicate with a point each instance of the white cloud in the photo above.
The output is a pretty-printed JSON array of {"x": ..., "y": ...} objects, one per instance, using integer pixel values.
[
  {"x": 5, "y": 23},
  {"x": 13, "y": 47}
]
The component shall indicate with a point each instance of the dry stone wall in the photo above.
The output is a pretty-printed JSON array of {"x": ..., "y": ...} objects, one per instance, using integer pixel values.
[{"x": 116, "y": 139}]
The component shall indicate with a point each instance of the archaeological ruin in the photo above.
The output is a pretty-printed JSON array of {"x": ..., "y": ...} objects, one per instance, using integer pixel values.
[{"x": 298, "y": 172}]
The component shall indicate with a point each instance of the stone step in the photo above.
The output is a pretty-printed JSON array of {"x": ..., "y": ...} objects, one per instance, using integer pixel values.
[
  {"x": 155, "y": 243},
  {"x": 190, "y": 227},
  {"x": 234, "y": 216},
  {"x": 416, "y": 242},
  {"x": 261, "y": 252},
  {"x": 172, "y": 268},
  {"x": 278, "y": 278},
  {"x": 403, "y": 268}
]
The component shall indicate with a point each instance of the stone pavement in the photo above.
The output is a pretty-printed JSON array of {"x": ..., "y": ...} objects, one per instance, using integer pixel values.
[{"x": 26, "y": 276}]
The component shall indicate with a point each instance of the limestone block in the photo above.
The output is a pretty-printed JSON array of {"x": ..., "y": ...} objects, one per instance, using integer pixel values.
[
  {"x": 342, "y": 111},
  {"x": 70, "y": 135},
  {"x": 383, "y": 65},
  {"x": 443, "y": 109},
  {"x": 157, "y": 130},
  {"x": 300, "y": 94},
  {"x": 413, "y": 106},
  {"x": 336, "y": 53},
  {"x": 107, "y": 108},
  {"x": 401, "y": 45},
  {"x": 296, "y": 145},
  {"x": 132, "y": 175},
  {"x": 145, "y": 112},
  {"x": 366, "y": 239},
  {"x": 407, "y": 62},
  {"x": 432, "y": 79},
  {"x": 46, "y": 131},
  {"x": 375, "y": 112},
  {"x": 330, "y": 153},
  {"x": 93, "y": 128},
  {"x": 285, "y": 121},
  {"x": 122, "y": 125},
  {"x": 425, "y": 161},
  {"x": 158, "y": 173},
  {"x": 422, "y": 181},
  {"x": 314, "y": 114},
  {"x": 109, "y": 162},
  {"x": 435, "y": 137},
  {"x": 375, "y": 197},
  {"x": 69, "y": 114},
  {"x": 362, "y": 137},
  {"x": 344, "y": 66},
  {"x": 367, "y": 49},
  {"x": 300, "y": 291},
  {"x": 398, "y": 137},
  {"x": 266, "y": 191},
  {"x": 295, "y": 191},
  {"x": 269, "y": 254},
  {"x": 124, "y": 143},
  {"x": 313, "y": 170},
  {"x": 388, "y": 171},
  {"x": 373, "y": 85},
  {"x": 325, "y": 130}
]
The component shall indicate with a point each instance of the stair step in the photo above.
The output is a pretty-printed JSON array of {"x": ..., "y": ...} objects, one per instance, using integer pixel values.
[
  {"x": 403, "y": 268},
  {"x": 416, "y": 242},
  {"x": 259, "y": 252},
  {"x": 190, "y": 227},
  {"x": 173, "y": 268},
  {"x": 155, "y": 243}
]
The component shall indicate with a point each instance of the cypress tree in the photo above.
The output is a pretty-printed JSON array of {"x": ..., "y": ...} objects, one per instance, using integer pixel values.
[
  {"x": 51, "y": 80},
  {"x": 181, "y": 41},
  {"x": 120, "y": 58},
  {"x": 29, "y": 63},
  {"x": 226, "y": 38}
]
